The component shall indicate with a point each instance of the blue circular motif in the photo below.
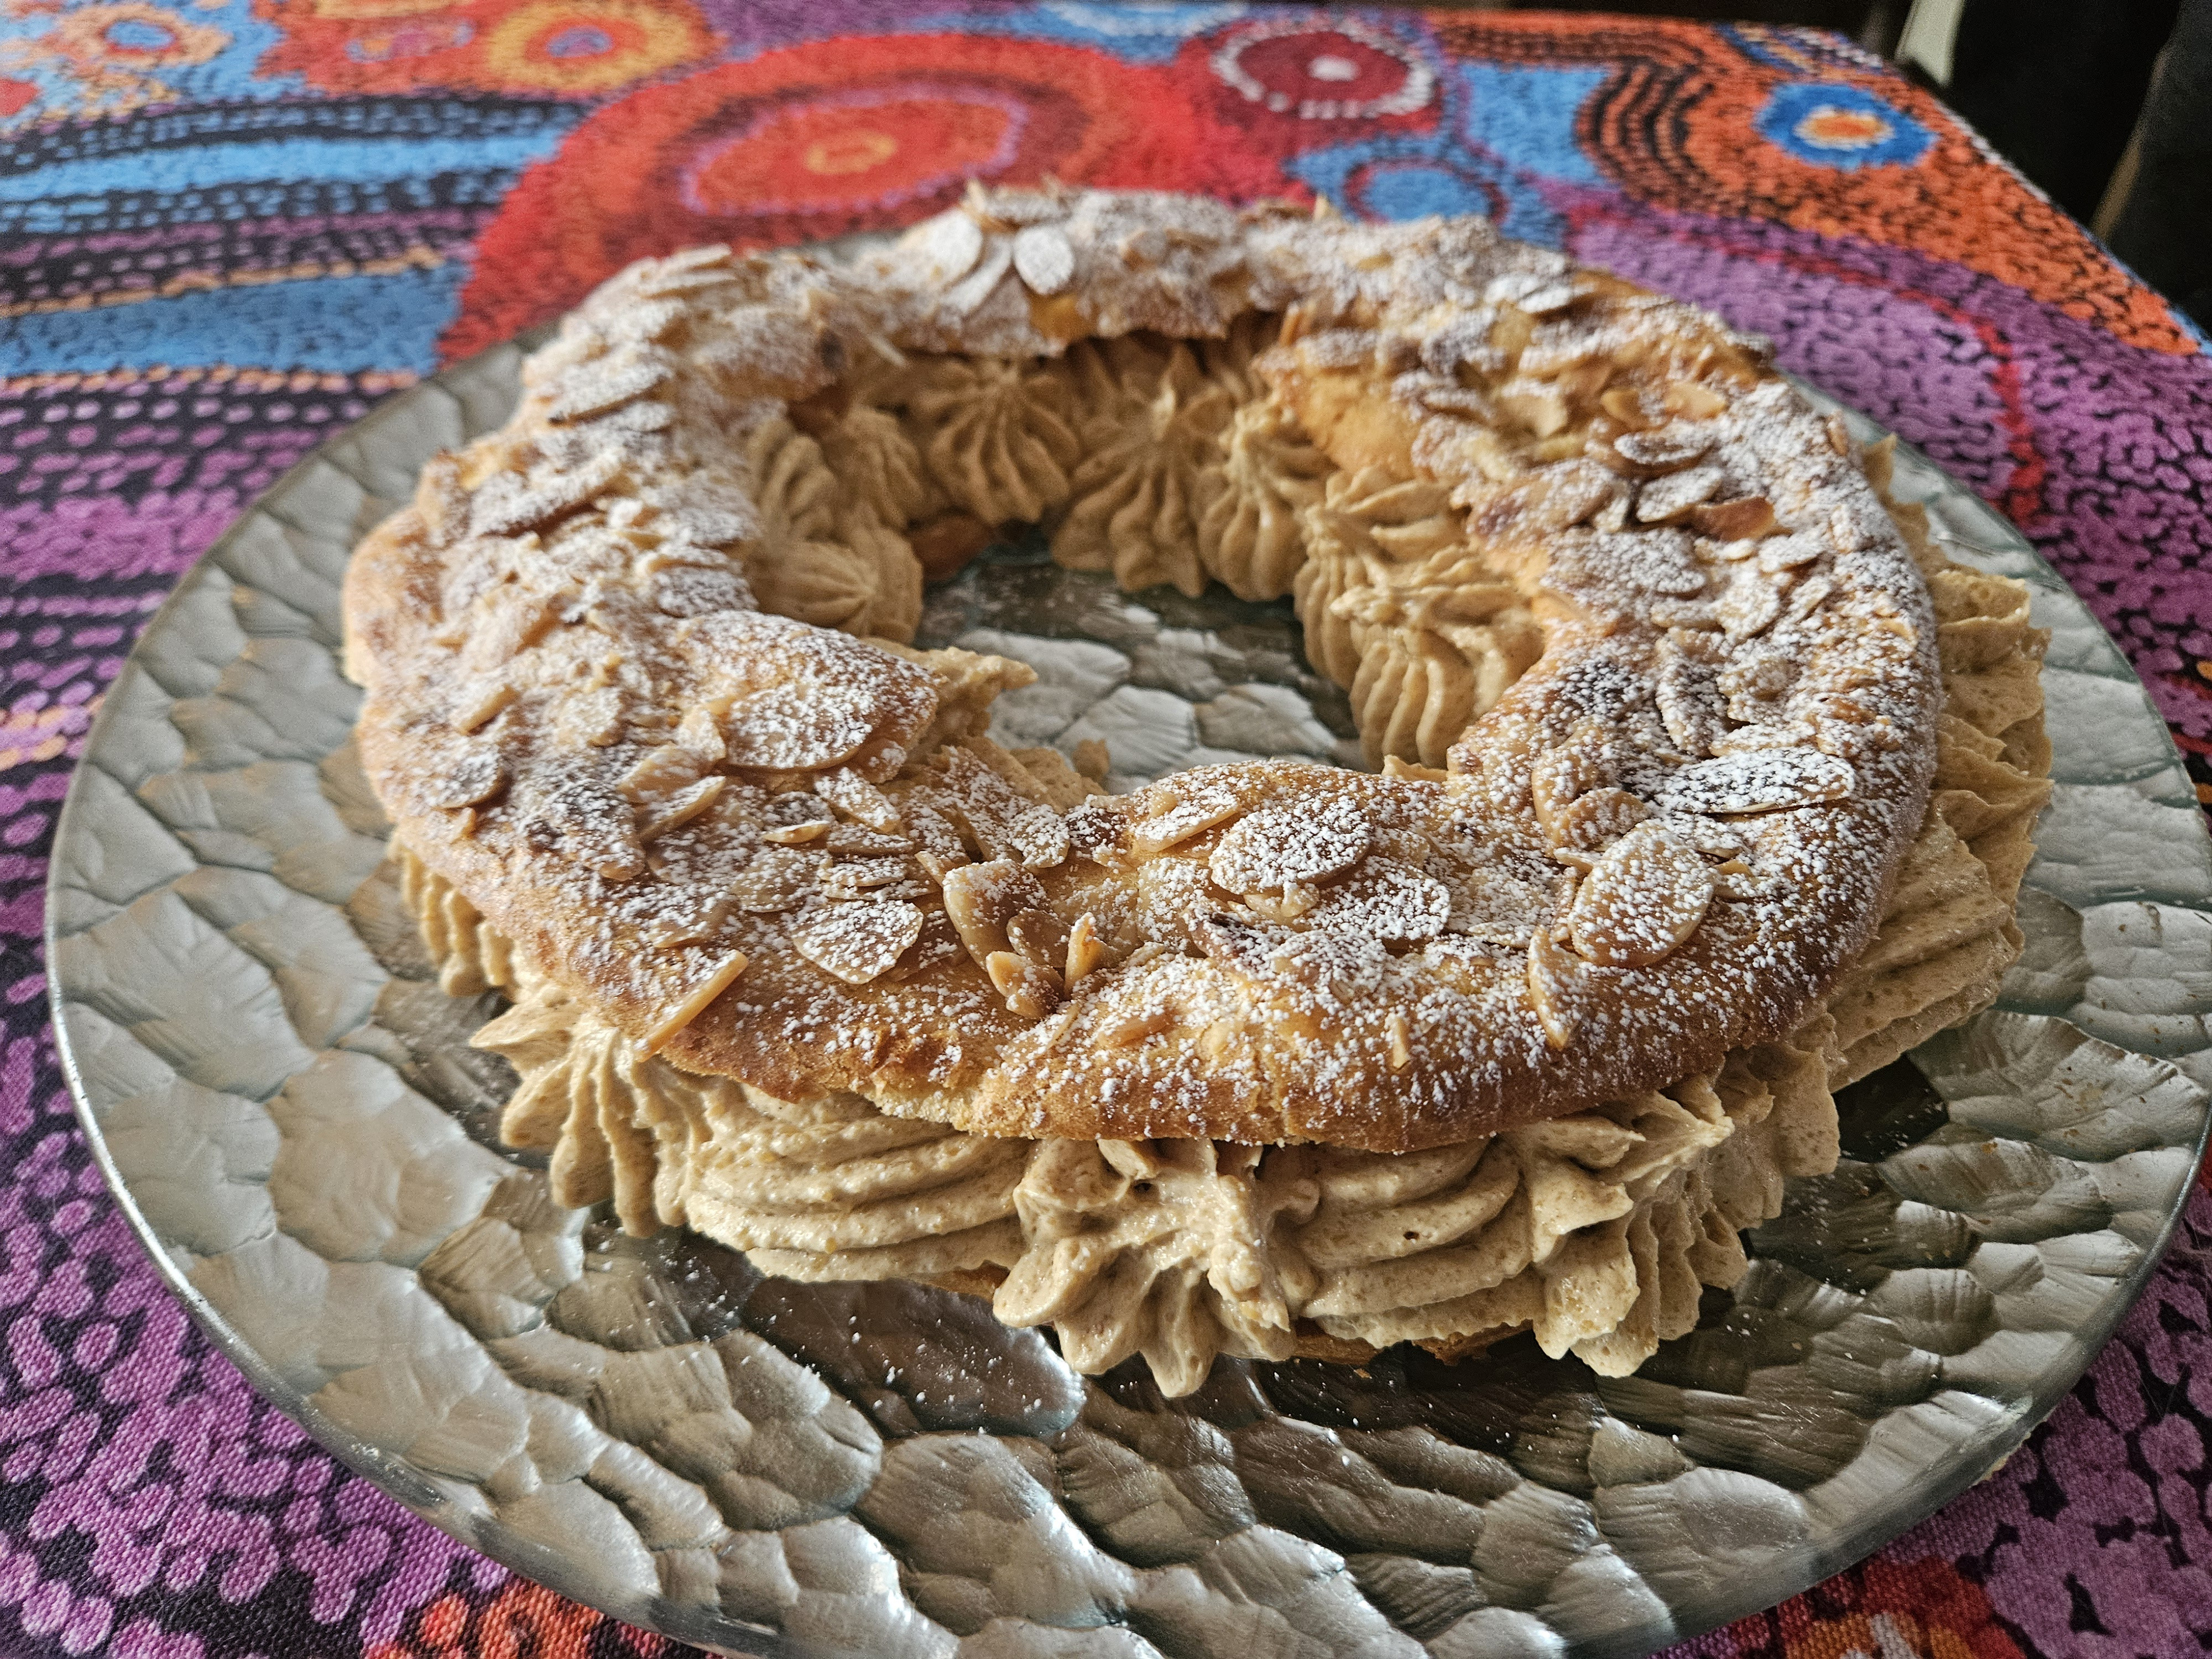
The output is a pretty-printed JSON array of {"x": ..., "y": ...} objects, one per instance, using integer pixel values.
[
  {"x": 580, "y": 40},
  {"x": 1830, "y": 123},
  {"x": 1405, "y": 175},
  {"x": 135, "y": 34}
]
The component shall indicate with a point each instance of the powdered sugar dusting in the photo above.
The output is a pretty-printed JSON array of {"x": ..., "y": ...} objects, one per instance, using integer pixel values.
[{"x": 1591, "y": 564}]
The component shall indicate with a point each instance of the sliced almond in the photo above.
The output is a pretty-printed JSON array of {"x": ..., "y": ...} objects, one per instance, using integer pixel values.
[
  {"x": 1039, "y": 837},
  {"x": 1667, "y": 449},
  {"x": 849, "y": 877},
  {"x": 798, "y": 835},
  {"x": 716, "y": 981},
  {"x": 859, "y": 799},
  {"x": 1044, "y": 258},
  {"x": 778, "y": 879},
  {"x": 679, "y": 808},
  {"x": 1386, "y": 900},
  {"x": 1696, "y": 402},
  {"x": 1293, "y": 845},
  {"x": 1032, "y": 989},
  {"x": 857, "y": 942},
  {"x": 479, "y": 704},
  {"x": 476, "y": 778},
  {"x": 1083, "y": 951},
  {"x": 982, "y": 898},
  {"x": 1663, "y": 501},
  {"x": 1177, "y": 817},
  {"x": 1641, "y": 901},
  {"x": 791, "y": 728},
  {"x": 1039, "y": 935},
  {"x": 1134, "y": 1029},
  {"x": 1759, "y": 780},
  {"x": 693, "y": 921},
  {"x": 663, "y": 771},
  {"x": 1742, "y": 521},
  {"x": 851, "y": 838}
]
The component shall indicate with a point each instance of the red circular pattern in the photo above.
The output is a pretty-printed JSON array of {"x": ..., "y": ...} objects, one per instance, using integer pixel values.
[
  {"x": 819, "y": 140},
  {"x": 533, "y": 48},
  {"x": 1333, "y": 72},
  {"x": 876, "y": 149}
]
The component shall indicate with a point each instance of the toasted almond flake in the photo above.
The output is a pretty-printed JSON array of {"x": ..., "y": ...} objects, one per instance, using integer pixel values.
[
  {"x": 1401, "y": 1051},
  {"x": 724, "y": 974},
  {"x": 1791, "y": 552},
  {"x": 1386, "y": 900},
  {"x": 1039, "y": 935},
  {"x": 1696, "y": 402},
  {"x": 1177, "y": 818},
  {"x": 699, "y": 732},
  {"x": 1759, "y": 780},
  {"x": 966, "y": 296},
  {"x": 982, "y": 898},
  {"x": 597, "y": 827},
  {"x": 1039, "y": 836},
  {"x": 662, "y": 771},
  {"x": 1098, "y": 832},
  {"x": 680, "y": 808},
  {"x": 857, "y": 942},
  {"x": 1746, "y": 519},
  {"x": 938, "y": 866},
  {"x": 607, "y": 383},
  {"x": 1752, "y": 604},
  {"x": 947, "y": 246},
  {"x": 1134, "y": 1029},
  {"x": 1032, "y": 989},
  {"x": 798, "y": 835},
  {"x": 481, "y": 704},
  {"x": 794, "y": 728},
  {"x": 1083, "y": 951},
  {"x": 1550, "y": 987},
  {"x": 1665, "y": 500},
  {"x": 1641, "y": 901},
  {"x": 778, "y": 879},
  {"x": 849, "y": 877},
  {"x": 865, "y": 843},
  {"x": 474, "y": 779},
  {"x": 1294, "y": 901},
  {"x": 691, "y": 923},
  {"x": 1667, "y": 449},
  {"x": 859, "y": 799},
  {"x": 1043, "y": 259},
  {"x": 1295, "y": 844}
]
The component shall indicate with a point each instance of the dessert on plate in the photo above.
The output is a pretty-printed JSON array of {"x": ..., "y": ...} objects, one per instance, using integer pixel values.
[{"x": 1704, "y": 780}]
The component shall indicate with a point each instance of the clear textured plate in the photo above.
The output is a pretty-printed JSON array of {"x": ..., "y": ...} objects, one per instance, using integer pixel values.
[{"x": 288, "y": 1111}]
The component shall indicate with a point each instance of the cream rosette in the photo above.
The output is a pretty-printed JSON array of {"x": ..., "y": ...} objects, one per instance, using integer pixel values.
[{"x": 1597, "y": 1231}]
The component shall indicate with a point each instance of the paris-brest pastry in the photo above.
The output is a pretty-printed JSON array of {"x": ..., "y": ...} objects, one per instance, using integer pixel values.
[{"x": 1704, "y": 786}]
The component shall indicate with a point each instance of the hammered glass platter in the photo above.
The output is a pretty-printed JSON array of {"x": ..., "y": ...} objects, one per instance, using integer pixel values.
[{"x": 287, "y": 1110}]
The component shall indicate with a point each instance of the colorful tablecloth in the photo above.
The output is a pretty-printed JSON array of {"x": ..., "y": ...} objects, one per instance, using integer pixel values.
[{"x": 228, "y": 227}]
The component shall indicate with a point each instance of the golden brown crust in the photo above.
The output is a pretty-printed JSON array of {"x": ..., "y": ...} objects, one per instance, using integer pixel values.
[{"x": 730, "y": 832}]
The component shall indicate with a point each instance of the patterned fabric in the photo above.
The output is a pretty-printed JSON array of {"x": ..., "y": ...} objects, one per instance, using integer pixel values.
[{"x": 228, "y": 227}]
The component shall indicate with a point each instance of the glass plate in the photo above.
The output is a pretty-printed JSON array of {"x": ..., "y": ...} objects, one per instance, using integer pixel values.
[{"x": 287, "y": 1109}]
